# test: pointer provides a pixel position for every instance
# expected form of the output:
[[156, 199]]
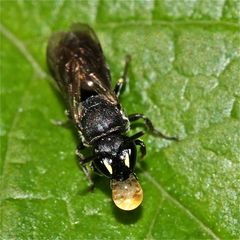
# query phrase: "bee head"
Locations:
[[116, 160], [116, 157]]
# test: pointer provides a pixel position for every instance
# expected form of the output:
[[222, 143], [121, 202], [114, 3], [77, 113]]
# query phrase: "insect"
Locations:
[[76, 62]]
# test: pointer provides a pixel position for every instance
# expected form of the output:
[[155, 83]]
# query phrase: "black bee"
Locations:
[[76, 62]]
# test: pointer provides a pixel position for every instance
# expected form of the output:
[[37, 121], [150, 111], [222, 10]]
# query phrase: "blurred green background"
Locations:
[[184, 75]]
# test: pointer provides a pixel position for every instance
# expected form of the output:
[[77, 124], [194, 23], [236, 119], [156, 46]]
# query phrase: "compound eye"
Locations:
[[128, 194], [103, 166]]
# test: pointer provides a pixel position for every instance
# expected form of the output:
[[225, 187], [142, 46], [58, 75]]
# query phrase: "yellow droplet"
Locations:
[[128, 194]]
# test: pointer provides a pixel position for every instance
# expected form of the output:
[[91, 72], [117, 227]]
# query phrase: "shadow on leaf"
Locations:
[[127, 217]]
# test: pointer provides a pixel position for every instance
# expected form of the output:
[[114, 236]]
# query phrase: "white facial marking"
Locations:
[[107, 165], [127, 160]]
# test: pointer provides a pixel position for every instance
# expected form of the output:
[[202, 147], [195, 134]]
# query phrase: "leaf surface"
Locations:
[[184, 75]]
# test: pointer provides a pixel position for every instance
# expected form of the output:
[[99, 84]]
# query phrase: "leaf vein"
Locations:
[[23, 50], [179, 205], [149, 233], [14, 121]]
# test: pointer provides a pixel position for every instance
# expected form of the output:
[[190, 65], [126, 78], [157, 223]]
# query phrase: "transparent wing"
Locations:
[[77, 64]]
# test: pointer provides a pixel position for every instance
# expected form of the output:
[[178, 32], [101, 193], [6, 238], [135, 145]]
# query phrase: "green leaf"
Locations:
[[184, 75]]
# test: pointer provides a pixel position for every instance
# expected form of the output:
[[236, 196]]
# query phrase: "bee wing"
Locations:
[[77, 63]]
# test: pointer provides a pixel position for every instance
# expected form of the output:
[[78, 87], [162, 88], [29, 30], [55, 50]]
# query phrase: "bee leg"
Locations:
[[95, 170], [123, 79], [82, 162], [149, 125], [142, 147], [63, 123]]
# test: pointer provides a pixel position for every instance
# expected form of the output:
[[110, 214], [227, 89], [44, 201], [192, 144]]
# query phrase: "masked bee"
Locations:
[[77, 64]]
